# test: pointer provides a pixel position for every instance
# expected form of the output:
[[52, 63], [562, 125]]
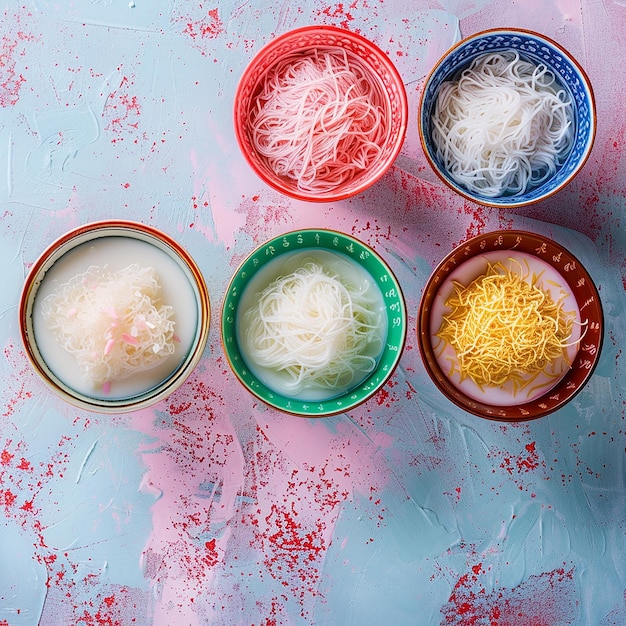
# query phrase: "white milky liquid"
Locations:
[[348, 271], [115, 253]]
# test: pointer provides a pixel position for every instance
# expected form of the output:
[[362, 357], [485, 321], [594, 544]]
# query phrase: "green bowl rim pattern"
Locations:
[[365, 256]]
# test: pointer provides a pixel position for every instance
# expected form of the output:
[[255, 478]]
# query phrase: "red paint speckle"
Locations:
[[291, 548], [339, 12], [7, 497], [202, 26], [541, 600], [524, 463], [122, 113], [211, 26], [212, 556], [12, 49], [6, 457], [264, 213]]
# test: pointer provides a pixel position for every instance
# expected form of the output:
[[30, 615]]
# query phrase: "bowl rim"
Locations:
[[368, 387], [592, 107], [331, 196], [61, 246], [551, 400]]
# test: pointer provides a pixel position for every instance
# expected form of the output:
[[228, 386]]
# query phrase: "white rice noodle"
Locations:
[[314, 330], [504, 126], [114, 323]]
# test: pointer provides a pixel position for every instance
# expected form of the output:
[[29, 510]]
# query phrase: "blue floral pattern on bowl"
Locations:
[[536, 48]]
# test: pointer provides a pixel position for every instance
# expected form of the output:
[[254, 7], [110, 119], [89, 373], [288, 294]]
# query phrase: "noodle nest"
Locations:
[[505, 329], [315, 329], [503, 126], [320, 119], [114, 323]]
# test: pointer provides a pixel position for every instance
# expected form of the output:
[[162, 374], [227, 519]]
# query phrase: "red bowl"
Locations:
[[561, 270], [308, 40]]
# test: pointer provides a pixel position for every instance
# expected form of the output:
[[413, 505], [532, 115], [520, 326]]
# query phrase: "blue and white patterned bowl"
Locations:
[[538, 49]]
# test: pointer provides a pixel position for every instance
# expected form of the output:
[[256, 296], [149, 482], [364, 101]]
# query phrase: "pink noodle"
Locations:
[[320, 119]]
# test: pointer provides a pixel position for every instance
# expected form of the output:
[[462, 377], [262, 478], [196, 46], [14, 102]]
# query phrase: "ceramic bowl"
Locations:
[[307, 42], [266, 263], [539, 50], [558, 273], [111, 247]]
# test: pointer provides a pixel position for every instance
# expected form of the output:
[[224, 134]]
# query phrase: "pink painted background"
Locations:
[[210, 508]]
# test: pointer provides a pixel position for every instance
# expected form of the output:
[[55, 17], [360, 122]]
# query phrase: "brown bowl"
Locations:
[[558, 269]]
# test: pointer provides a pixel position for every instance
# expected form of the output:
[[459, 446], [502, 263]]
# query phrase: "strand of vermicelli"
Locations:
[[504, 328], [319, 119]]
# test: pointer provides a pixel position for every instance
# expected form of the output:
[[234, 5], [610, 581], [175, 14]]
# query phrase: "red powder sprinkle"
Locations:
[[122, 112], [542, 600], [11, 79], [210, 27], [5, 457], [524, 463], [479, 219], [263, 214], [7, 497], [338, 12]]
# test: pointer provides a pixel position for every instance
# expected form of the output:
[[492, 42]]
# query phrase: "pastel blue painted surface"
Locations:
[[210, 508]]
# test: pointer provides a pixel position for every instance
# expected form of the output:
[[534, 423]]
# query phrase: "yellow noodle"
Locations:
[[504, 328]]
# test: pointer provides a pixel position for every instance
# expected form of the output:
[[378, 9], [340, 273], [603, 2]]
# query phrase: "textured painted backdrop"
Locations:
[[210, 508]]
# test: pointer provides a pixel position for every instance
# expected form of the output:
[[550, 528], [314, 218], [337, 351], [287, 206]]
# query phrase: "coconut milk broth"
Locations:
[[116, 253], [550, 281], [285, 264]]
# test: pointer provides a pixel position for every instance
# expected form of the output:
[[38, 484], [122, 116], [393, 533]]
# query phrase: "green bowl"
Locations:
[[394, 306]]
